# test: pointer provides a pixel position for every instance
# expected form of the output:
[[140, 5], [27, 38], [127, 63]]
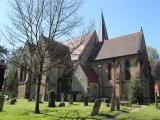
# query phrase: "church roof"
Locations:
[[56, 49], [78, 44], [90, 73], [120, 46], [31, 47]]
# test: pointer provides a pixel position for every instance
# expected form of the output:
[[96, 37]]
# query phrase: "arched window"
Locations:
[[109, 71], [127, 70]]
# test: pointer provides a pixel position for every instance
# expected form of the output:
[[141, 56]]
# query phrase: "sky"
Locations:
[[121, 17]]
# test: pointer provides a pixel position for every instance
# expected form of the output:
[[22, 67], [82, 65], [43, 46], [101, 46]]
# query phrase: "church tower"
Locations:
[[102, 30]]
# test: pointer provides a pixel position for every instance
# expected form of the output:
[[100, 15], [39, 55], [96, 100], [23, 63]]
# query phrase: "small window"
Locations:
[[127, 70], [109, 71]]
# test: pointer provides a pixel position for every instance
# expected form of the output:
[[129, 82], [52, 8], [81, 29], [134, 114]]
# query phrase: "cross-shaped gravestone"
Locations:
[[62, 104]]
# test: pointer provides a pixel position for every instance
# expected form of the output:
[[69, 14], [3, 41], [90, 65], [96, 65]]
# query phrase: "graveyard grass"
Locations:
[[147, 112], [23, 110]]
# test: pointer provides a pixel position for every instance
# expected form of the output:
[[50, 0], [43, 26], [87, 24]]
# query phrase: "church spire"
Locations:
[[102, 30]]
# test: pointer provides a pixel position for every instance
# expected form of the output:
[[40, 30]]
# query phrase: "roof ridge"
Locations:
[[123, 35]]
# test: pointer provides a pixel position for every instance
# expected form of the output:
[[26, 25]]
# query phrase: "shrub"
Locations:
[[135, 92]]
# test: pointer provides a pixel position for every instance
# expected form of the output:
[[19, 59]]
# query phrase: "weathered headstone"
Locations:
[[2, 72], [86, 100], [96, 107], [62, 104], [107, 101], [71, 99], [12, 99], [51, 99], [1, 101]]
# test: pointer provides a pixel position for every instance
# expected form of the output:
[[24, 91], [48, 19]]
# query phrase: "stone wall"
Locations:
[[79, 81], [93, 91], [101, 67]]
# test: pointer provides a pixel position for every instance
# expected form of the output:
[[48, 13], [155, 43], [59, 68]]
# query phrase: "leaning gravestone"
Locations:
[[51, 99], [96, 107], [62, 104]]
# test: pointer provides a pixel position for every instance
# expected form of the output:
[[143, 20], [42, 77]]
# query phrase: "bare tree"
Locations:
[[56, 19]]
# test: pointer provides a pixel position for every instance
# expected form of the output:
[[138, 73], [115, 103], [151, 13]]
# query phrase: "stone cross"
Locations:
[[62, 104]]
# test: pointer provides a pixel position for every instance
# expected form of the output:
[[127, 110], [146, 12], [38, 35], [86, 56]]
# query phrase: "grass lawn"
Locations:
[[23, 110], [148, 112]]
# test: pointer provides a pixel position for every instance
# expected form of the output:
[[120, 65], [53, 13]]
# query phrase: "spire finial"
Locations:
[[102, 29], [42, 34], [141, 29]]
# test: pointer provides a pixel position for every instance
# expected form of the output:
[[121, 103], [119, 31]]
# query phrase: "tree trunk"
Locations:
[[113, 102], [117, 103], [113, 94], [156, 100], [37, 111]]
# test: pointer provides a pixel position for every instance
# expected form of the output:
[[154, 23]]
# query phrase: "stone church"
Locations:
[[54, 78], [99, 63]]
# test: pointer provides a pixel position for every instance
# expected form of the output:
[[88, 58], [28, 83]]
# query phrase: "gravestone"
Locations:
[[96, 107], [2, 98], [86, 100], [2, 71], [12, 99], [71, 99], [107, 101], [62, 104], [51, 99]]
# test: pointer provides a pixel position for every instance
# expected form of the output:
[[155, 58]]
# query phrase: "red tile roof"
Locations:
[[90, 73], [78, 44], [120, 46]]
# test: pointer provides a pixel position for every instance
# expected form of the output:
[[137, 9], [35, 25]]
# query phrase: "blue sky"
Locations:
[[127, 16], [121, 16]]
